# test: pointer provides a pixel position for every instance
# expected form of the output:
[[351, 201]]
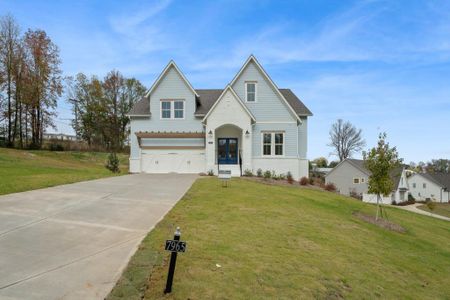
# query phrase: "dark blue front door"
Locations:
[[227, 151]]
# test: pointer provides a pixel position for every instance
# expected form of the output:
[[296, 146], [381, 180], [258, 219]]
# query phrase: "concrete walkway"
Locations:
[[413, 208], [73, 241]]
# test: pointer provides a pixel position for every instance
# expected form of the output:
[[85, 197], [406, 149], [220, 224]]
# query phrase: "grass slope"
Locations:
[[277, 242], [442, 209], [22, 170]]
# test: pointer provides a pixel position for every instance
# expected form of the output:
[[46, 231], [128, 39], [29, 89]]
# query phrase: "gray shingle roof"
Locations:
[[442, 179], [207, 97], [141, 108]]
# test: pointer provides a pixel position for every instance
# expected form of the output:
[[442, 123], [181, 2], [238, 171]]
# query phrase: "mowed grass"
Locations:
[[442, 209], [274, 242], [22, 170]]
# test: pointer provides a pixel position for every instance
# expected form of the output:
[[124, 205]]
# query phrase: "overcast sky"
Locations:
[[383, 65]]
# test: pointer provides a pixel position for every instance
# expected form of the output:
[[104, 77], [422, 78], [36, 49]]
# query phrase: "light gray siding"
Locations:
[[268, 106], [303, 138], [172, 86], [290, 137], [342, 177]]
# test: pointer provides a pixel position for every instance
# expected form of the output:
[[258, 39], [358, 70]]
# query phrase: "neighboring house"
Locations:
[[351, 176], [59, 136], [436, 187], [251, 124]]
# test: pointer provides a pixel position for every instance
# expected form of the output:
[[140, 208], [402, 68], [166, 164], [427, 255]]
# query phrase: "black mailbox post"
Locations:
[[173, 246]]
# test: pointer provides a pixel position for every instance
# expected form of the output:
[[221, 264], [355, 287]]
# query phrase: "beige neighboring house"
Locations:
[[351, 176], [427, 186]]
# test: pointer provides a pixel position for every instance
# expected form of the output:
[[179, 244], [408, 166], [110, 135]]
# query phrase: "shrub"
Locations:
[[259, 173], [210, 172], [355, 194], [55, 147], [274, 176], [304, 181], [248, 173], [267, 174], [113, 163], [311, 180], [289, 177], [330, 187], [282, 177], [431, 205], [411, 198]]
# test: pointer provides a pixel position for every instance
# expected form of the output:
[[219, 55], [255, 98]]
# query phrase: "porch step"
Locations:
[[235, 169]]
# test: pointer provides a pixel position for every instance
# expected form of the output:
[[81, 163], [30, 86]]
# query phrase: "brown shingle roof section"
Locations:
[[207, 97], [295, 103], [206, 100], [141, 108]]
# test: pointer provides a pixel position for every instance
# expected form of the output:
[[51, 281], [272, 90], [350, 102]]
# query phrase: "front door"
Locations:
[[227, 151]]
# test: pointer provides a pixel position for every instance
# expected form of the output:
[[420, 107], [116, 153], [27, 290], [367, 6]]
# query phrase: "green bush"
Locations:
[[55, 147], [248, 173], [113, 163], [289, 177], [274, 175], [267, 174], [282, 177], [210, 172], [259, 173]]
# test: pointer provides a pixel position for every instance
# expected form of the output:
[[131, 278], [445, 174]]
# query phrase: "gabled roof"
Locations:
[[441, 179], [163, 73], [207, 98], [229, 88], [253, 59]]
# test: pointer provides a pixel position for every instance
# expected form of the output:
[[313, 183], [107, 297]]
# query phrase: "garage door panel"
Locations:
[[173, 161]]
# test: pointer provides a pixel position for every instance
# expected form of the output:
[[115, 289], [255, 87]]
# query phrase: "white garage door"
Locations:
[[178, 161]]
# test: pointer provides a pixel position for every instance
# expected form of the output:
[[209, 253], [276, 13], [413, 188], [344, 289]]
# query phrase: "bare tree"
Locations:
[[345, 139]]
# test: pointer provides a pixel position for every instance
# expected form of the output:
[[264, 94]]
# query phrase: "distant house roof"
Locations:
[[395, 174], [207, 97], [441, 179]]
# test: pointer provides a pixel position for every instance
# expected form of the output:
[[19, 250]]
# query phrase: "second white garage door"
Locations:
[[177, 161]]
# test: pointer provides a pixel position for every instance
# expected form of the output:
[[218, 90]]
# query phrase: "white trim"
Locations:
[[272, 143], [274, 86], [172, 109], [163, 73], [228, 87], [256, 91], [357, 178], [128, 115], [275, 122]]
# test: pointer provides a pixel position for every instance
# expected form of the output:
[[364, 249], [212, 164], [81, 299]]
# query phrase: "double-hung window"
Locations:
[[250, 91], [273, 143], [172, 109]]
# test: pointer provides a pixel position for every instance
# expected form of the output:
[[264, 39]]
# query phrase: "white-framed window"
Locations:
[[355, 180], [273, 143], [424, 185], [172, 109], [414, 185], [363, 180], [250, 91]]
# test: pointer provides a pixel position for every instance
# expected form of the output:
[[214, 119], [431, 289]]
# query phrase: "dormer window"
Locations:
[[172, 109], [250, 91]]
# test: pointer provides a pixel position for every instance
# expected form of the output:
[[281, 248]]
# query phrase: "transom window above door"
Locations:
[[273, 143], [250, 91], [172, 109]]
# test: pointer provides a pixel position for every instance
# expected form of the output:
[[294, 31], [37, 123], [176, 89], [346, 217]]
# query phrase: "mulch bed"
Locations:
[[383, 223], [281, 182]]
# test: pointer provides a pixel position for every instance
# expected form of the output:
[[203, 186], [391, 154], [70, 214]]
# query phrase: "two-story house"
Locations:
[[251, 124]]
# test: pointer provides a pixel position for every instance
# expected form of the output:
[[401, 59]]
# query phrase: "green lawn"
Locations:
[[22, 170], [442, 209], [276, 242]]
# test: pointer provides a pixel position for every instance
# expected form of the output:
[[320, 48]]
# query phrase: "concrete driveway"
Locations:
[[73, 241]]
